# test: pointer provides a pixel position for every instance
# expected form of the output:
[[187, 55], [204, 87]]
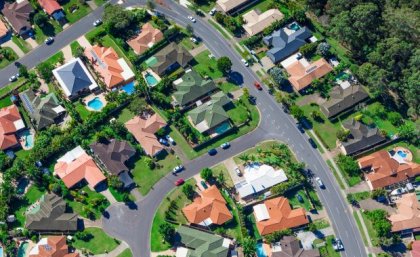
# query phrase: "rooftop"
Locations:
[[227, 5], [256, 22], [10, 123], [167, 57], [302, 74], [3, 29], [408, 213], [50, 6], [146, 38], [18, 14], [289, 246], [52, 246]]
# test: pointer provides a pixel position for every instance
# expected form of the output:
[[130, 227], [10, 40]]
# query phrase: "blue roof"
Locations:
[[58, 15]]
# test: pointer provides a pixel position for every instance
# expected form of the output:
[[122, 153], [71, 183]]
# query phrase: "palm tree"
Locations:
[[244, 158], [249, 246]]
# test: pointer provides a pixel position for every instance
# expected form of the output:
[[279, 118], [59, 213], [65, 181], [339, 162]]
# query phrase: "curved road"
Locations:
[[134, 225]]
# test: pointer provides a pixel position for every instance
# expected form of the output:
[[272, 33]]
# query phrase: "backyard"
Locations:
[[88, 202], [19, 207], [100, 242], [75, 10]]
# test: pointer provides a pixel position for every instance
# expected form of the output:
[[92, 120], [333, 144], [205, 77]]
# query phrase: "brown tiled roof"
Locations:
[[147, 38], [256, 22], [415, 252], [144, 131], [210, 204], [408, 213], [301, 76], [281, 216], [50, 6], [290, 247], [385, 170], [53, 246], [8, 116], [114, 154], [18, 14]]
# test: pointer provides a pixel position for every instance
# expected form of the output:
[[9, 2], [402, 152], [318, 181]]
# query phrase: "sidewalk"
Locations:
[[115, 253]]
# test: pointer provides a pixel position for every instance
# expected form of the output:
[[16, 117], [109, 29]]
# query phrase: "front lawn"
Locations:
[[56, 58], [79, 10], [87, 203], [22, 44], [5, 102], [12, 56], [50, 29], [239, 114], [207, 66], [228, 87], [19, 207], [294, 201], [221, 168], [328, 250], [252, 151], [170, 208], [74, 45], [126, 253], [371, 231], [100, 243]]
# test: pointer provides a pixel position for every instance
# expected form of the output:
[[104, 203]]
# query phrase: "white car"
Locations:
[[49, 40], [13, 78], [320, 183], [238, 172], [337, 244], [191, 19], [245, 62], [194, 40], [177, 169], [170, 139], [97, 22], [212, 11]]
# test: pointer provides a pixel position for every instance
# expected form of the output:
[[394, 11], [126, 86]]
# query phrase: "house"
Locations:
[[10, 123], [54, 10], [211, 115], [4, 30], [18, 15], [258, 179], [52, 246], [207, 209], [113, 70], [148, 37], [169, 58], [276, 214], [362, 137], [77, 166], [388, 168], [51, 215], [232, 6], [144, 129], [74, 78], [289, 246], [113, 155], [415, 248], [284, 44], [43, 110], [343, 99], [256, 22], [407, 217], [302, 73], [191, 87], [200, 243]]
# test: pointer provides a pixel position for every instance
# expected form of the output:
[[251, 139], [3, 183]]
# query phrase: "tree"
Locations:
[[167, 231], [224, 64], [115, 182], [277, 74], [299, 16], [23, 71], [249, 246], [189, 191], [395, 118], [343, 134], [138, 105], [316, 115], [308, 50], [83, 235], [79, 52], [206, 174], [378, 192], [348, 165], [324, 49], [246, 93], [45, 71], [118, 21], [40, 19], [297, 112], [190, 29], [408, 131]]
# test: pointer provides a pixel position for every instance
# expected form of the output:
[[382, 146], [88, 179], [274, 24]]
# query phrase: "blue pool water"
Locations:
[[1, 251], [401, 154], [260, 251], [95, 104], [21, 186], [129, 88], [29, 138], [222, 128], [151, 81], [22, 249], [294, 26]]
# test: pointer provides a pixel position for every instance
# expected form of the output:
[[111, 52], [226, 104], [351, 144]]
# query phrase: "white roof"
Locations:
[[59, 109], [127, 73], [72, 155], [19, 124], [206, 222], [181, 252], [226, 242], [261, 212]]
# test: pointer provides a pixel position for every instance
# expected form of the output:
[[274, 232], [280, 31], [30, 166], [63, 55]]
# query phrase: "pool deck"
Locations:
[[22, 139], [409, 157], [92, 96], [150, 71]]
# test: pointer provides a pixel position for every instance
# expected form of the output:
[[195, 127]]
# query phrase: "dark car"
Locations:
[[204, 184], [49, 40], [299, 197], [312, 142], [212, 152], [257, 85], [300, 127]]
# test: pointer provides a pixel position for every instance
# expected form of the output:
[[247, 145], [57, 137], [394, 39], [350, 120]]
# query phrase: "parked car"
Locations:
[[300, 127], [179, 182], [163, 142], [238, 172], [49, 40], [225, 145], [212, 152], [191, 19], [300, 198], [13, 78], [194, 40], [177, 169], [204, 184], [257, 85], [170, 139], [212, 11], [97, 22], [245, 62], [312, 142], [320, 183], [337, 244]]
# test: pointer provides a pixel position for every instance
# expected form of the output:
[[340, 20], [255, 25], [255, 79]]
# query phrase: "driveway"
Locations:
[[307, 238], [14, 47]]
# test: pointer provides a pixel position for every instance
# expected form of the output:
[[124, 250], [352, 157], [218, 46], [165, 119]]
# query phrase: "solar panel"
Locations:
[[28, 103]]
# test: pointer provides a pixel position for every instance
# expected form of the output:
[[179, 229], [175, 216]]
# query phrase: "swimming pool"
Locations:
[[222, 128], [294, 26], [22, 249], [21, 186], [260, 250], [402, 154], [129, 88], [95, 104], [150, 79], [28, 138], [1, 251]]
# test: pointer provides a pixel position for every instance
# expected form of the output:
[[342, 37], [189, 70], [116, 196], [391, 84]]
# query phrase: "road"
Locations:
[[134, 225]]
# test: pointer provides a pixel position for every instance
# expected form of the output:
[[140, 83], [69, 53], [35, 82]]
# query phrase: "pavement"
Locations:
[[132, 224], [14, 47], [307, 237]]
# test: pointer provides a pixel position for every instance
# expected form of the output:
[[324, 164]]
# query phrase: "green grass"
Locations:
[[337, 178], [371, 231], [294, 202], [126, 253], [359, 225], [25, 47], [118, 195], [146, 177], [263, 146], [321, 224], [238, 115], [175, 214], [207, 66], [231, 228], [82, 11], [50, 29], [94, 33], [19, 207], [5, 102], [351, 180], [251, 225], [81, 109], [228, 87], [417, 236], [90, 195], [218, 28], [55, 58], [5, 62], [206, 6], [328, 250], [74, 45], [263, 6], [187, 44], [125, 115], [99, 3], [100, 243], [221, 168]]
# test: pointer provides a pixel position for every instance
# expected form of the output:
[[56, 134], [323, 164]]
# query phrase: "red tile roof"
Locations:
[[50, 6], [8, 116], [147, 37], [209, 205], [408, 213], [3, 29], [56, 246], [415, 252], [301, 76]]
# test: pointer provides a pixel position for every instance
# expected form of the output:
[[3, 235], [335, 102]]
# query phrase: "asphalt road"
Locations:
[[134, 225]]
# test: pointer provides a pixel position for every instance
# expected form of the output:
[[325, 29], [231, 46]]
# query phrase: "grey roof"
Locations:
[[343, 99], [362, 137], [51, 215], [18, 15], [126, 179], [283, 45], [41, 109], [114, 154], [290, 247], [170, 55], [202, 244]]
